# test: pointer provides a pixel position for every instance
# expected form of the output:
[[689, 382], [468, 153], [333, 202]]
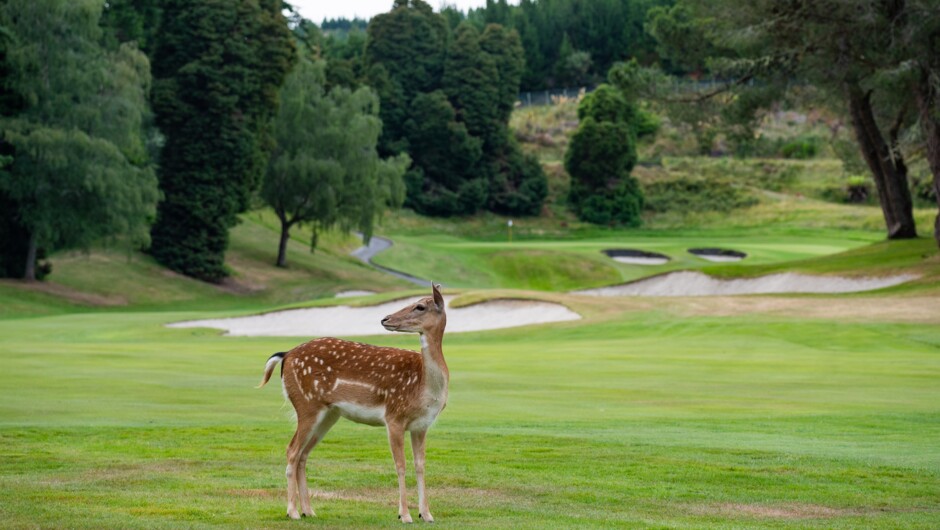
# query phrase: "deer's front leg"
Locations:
[[396, 440], [417, 446]]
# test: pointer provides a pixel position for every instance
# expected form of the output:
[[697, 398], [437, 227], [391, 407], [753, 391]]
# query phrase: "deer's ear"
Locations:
[[438, 299]]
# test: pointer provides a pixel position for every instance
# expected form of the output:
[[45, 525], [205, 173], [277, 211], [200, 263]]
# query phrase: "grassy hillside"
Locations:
[[111, 280]]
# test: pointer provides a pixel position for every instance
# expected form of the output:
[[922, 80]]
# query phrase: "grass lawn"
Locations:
[[643, 414], [561, 265]]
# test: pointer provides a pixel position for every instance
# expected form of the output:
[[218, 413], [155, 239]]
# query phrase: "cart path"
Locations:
[[378, 244]]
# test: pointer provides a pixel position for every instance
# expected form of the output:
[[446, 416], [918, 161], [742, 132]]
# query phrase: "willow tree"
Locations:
[[80, 169], [325, 171]]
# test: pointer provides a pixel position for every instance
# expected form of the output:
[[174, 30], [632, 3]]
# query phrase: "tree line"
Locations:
[[565, 43], [155, 124]]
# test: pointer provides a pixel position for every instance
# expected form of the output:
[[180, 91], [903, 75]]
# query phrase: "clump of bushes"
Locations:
[[770, 175], [922, 190], [801, 148], [696, 194], [600, 157], [856, 189]]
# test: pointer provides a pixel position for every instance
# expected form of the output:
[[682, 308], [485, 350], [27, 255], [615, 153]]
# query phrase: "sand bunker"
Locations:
[[345, 320], [718, 254], [688, 283], [636, 257]]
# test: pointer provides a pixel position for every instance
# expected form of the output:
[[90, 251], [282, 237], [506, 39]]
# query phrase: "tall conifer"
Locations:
[[217, 68]]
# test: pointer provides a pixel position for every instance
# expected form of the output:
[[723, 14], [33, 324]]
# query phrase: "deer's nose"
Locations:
[[384, 320]]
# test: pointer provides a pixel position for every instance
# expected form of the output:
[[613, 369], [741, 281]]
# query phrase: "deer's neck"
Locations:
[[436, 374]]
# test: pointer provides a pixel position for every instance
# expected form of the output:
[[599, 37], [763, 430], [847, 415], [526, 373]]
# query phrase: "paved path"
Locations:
[[377, 244]]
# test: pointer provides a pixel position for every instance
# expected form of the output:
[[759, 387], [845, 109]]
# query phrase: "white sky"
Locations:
[[317, 10]]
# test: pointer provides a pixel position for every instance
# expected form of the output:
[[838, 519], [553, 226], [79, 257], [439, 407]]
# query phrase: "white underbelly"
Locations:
[[361, 414]]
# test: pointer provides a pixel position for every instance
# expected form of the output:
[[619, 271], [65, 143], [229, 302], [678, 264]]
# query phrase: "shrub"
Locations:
[[802, 148], [923, 191], [525, 195], [856, 189], [692, 194], [622, 206], [600, 157]]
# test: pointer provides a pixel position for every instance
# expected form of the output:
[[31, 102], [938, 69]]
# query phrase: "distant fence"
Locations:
[[556, 95], [550, 97]]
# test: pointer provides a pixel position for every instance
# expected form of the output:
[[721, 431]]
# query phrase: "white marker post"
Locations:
[[509, 224]]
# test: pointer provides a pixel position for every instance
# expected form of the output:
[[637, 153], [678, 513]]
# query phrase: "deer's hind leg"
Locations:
[[325, 421], [306, 427]]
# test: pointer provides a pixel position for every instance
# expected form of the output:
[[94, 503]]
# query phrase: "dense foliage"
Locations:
[[446, 100], [686, 194], [600, 158], [217, 68], [573, 42], [566, 43], [324, 170], [77, 168]]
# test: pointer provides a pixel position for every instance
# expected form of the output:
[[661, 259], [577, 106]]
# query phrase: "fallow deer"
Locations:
[[326, 379]]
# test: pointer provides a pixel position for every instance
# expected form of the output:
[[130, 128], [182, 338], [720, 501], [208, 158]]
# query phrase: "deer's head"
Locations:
[[424, 316]]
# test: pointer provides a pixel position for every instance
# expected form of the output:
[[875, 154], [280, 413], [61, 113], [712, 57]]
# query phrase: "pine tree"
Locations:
[[471, 82], [217, 68], [518, 185], [405, 57], [445, 177]]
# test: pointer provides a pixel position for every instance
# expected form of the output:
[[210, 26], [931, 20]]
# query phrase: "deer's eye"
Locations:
[[420, 308]]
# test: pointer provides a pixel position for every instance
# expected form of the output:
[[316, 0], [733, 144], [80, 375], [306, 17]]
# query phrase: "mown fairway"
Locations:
[[558, 265], [645, 414]]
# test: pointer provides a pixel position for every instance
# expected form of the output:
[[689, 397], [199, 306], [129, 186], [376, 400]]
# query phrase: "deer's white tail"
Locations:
[[273, 361]]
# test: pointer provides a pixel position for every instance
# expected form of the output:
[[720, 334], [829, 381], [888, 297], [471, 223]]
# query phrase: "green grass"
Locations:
[[112, 280], [531, 262], [630, 418], [644, 414], [912, 256]]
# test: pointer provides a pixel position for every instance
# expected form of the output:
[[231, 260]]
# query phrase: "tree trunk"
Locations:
[[887, 167], [29, 273], [929, 109], [282, 247]]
